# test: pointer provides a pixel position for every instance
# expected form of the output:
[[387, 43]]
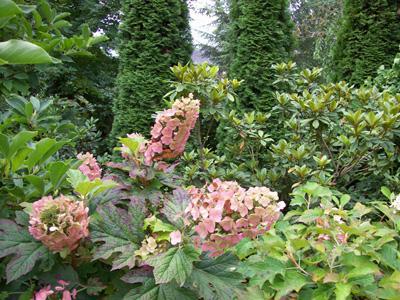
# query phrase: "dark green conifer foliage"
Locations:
[[261, 35], [369, 37], [154, 35]]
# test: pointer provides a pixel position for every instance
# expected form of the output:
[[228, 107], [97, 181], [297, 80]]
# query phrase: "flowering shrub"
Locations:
[[89, 166], [59, 223], [172, 129], [225, 213]]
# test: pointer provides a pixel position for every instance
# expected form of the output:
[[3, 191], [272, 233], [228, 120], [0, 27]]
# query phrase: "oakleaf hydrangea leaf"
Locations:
[[120, 232], [176, 263], [216, 278], [15, 240], [174, 208], [150, 291]]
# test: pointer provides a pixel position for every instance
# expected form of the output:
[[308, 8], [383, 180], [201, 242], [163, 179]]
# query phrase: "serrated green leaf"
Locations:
[[292, 281], [176, 263], [310, 215], [343, 290], [174, 208], [260, 270], [17, 241], [151, 291], [216, 278], [119, 232]]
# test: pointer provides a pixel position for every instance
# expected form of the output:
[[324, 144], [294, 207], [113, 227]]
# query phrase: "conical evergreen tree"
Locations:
[[261, 35], [154, 35], [369, 37]]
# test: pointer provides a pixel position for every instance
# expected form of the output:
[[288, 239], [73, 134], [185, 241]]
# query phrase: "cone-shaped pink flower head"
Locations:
[[224, 213], [59, 223], [172, 130], [89, 166]]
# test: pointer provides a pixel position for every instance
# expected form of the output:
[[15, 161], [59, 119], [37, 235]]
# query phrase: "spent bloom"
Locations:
[[59, 223], [89, 166], [225, 213], [172, 129]]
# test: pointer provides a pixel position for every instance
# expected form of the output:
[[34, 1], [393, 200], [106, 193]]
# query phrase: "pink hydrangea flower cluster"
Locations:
[[172, 129], [225, 213], [89, 166], [59, 223], [47, 291]]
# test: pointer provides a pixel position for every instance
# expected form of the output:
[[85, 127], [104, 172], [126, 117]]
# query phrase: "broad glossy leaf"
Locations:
[[8, 8], [44, 149], [20, 141], [175, 264], [57, 173], [22, 52], [120, 233]]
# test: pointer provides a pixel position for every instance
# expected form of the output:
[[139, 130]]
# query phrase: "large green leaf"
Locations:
[[20, 141], [57, 173], [260, 270], [174, 208], [44, 149], [292, 281], [152, 291], [8, 8], [22, 52], [176, 263], [343, 290], [216, 278], [17, 241], [120, 233]]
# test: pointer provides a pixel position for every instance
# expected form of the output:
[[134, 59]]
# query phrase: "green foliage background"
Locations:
[[261, 35], [153, 37], [368, 38]]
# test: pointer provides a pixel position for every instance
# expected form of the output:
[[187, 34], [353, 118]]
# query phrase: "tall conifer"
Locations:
[[369, 37], [154, 35]]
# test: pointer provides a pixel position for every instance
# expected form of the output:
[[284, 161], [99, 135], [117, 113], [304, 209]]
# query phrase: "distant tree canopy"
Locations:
[[369, 37], [261, 34], [154, 35]]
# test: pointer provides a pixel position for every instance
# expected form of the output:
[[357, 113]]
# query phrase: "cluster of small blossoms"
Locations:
[[172, 129], [225, 213], [89, 166], [396, 204], [59, 223], [47, 291]]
